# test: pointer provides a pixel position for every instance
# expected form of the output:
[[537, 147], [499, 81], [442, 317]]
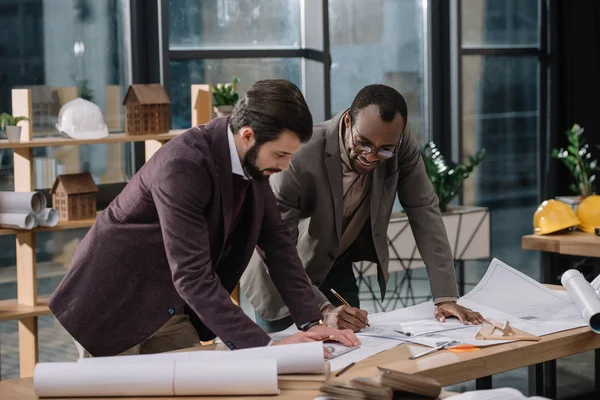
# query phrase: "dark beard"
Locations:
[[250, 165]]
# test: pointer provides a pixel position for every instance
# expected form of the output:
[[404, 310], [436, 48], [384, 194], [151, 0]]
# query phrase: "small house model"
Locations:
[[147, 109], [74, 196]]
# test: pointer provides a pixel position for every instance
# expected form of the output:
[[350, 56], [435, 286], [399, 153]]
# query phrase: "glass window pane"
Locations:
[[234, 23], [500, 22], [501, 114], [62, 50], [382, 43], [249, 70]]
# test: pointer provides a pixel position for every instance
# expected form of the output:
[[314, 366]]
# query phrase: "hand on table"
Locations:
[[345, 317], [303, 337], [320, 332], [452, 309]]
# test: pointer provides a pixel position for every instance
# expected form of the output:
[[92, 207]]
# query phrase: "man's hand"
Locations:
[[303, 337], [344, 336], [345, 317], [452, 309]]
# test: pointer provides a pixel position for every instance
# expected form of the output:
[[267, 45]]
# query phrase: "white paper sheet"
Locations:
[[496, 394], [584, 296], [502, 294], [596, 283], [369, 347], [172, 378], [22, 202], [48, 217], [18, 221], [301, 358]]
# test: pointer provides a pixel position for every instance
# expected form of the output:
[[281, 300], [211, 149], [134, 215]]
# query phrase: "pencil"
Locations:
[[346, 368], [344, 301]]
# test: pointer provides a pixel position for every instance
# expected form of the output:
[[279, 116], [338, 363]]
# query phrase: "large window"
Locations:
[[212, 41], [234, 23], [503, 99], [381, 43]]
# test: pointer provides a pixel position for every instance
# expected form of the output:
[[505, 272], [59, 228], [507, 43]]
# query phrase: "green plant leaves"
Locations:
[[579, 160], [445, 179], [226, 95], [9, 120]]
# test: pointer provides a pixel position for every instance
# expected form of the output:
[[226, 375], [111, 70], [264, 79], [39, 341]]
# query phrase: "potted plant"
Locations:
[[225, 96], [582, 166], [8, 122], [467, 227], [447, 180]]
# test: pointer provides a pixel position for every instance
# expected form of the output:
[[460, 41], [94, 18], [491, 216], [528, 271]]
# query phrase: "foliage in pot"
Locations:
[[9, 120], [578, 158], [226, 95], [447, 179]]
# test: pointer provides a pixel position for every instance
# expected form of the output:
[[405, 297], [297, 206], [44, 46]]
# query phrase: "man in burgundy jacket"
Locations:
[[156, 270]]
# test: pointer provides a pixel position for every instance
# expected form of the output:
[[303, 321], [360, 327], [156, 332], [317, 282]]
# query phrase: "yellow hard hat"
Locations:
[[588, 213], [553, 216]]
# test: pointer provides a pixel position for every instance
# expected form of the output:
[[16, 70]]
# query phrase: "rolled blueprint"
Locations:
[[18, 221], [255, 377], [48, 217], [584, 296], [301, 358], [22, 202]]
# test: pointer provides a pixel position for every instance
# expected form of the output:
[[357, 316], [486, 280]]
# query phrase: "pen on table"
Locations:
[[344, 301], [433, 350], [403, 333], [346, 368]]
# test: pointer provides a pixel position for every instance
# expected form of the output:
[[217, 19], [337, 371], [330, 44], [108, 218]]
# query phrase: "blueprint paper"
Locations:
[[235, 377], [502, 294], [300, 358]]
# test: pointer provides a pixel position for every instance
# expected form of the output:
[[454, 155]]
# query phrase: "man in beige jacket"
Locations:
[[336, 199]]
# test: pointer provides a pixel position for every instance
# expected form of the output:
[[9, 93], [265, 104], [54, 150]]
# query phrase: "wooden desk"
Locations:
[[448, 368], [574, 243]]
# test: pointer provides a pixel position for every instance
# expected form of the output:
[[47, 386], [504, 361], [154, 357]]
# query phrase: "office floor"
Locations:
[[575, 374]]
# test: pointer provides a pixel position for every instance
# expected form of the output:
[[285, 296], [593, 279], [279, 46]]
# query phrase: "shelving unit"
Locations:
[[27, 306]]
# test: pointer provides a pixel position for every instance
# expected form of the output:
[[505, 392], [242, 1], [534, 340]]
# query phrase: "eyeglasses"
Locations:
[[382, 154]]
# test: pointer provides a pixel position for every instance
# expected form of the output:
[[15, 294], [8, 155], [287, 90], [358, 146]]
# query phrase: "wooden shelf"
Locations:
[[111, 138], [10, 310], [61, 226]]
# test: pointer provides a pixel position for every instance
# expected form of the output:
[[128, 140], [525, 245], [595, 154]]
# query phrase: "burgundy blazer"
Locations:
[[160, 247]]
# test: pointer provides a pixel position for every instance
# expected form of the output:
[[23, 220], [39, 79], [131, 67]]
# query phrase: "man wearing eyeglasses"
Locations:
[[336, 199]]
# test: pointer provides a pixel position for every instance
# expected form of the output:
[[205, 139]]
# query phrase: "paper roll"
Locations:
[[18, 221], [22, 202], [48, 217], [584, 296], [301, 358], [255, 377]]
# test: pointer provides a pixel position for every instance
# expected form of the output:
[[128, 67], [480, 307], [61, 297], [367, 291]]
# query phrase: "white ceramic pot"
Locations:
[[223, 111], [13, 133]]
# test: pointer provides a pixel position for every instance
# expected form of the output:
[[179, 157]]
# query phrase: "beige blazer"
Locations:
[[309, 197]]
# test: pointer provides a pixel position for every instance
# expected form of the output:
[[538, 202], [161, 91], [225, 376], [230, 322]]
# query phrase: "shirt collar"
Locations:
[[236, 164]]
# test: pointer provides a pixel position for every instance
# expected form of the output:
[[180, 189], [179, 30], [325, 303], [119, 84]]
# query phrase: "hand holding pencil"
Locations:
[[345, 316]]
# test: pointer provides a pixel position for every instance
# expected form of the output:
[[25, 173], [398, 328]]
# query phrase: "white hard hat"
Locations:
[[81, 119]]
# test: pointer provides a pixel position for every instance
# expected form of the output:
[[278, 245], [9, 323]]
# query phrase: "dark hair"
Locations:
[[271, 106], [387, 99]]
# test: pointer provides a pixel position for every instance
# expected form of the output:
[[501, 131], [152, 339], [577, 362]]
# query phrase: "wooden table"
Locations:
[[448, 368], [574, 243]]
